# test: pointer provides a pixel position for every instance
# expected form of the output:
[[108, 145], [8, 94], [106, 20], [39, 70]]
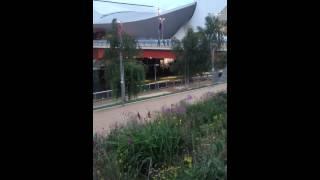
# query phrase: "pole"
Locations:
[[121, 68], [162, 30], [155, 72]]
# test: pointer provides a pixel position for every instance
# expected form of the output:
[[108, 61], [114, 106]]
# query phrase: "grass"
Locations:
[[186, 142]]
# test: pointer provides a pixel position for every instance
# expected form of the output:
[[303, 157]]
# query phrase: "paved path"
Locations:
[[104, 119]]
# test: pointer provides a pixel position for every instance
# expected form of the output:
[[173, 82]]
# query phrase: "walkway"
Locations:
[[104, 119]]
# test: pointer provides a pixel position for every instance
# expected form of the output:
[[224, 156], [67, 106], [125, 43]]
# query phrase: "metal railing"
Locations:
[[104, 95], [152, 43], [149, 43], [101, 44]]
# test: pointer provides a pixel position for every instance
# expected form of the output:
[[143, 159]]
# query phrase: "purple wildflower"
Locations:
[[189, 97], [181, 110]]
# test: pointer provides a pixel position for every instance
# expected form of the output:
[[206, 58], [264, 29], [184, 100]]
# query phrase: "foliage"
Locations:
[[221, 60], [134, 72], [213, 33], [183, 142], [104, 163], [134, 78], [192, 55]]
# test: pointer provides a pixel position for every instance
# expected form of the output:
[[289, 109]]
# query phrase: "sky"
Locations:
[[167, 4]]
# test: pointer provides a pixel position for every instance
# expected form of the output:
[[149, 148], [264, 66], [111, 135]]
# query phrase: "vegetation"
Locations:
[[220, 60], [185, 142], [192, 55], [213, 32], [134, 71]]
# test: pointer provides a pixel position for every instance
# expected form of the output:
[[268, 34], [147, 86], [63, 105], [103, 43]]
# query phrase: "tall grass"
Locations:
[[184, 142]]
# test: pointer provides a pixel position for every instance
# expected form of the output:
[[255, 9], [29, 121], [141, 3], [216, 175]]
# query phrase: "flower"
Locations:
[[189, 97], [180, 110]]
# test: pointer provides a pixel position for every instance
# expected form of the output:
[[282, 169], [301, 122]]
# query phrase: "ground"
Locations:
[[104, 119]]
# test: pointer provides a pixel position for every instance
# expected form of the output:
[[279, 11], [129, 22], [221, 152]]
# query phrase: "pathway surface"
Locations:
[[104, 119]]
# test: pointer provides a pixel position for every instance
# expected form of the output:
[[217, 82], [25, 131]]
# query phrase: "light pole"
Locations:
[[162, 27], [155, 72], [121, 64]]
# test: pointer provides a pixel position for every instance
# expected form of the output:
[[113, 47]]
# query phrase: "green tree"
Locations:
[[134, 73], [192, 55], [221, 60], [213, 33], [134, 78]]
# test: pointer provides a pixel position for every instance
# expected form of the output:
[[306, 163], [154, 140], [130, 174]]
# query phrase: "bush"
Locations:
[[141, 148], [183, 142], [104, 161], [210, 155]]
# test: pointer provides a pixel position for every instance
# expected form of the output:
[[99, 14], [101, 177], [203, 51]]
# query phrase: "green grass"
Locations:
[[186, 143]]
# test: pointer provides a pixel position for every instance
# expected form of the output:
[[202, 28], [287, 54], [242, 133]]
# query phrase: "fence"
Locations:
[[148, 43], [103, 95], [142, 43]]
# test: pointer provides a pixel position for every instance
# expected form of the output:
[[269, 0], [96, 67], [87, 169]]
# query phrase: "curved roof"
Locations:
[[144, 25], [124, 16], [103, 8]]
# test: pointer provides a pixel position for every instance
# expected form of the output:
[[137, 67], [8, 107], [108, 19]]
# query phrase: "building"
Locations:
[[142, 23]]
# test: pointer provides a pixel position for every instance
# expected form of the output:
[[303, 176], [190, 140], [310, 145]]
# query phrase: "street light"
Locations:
[[161, 21], [161, 28], [155, 72], [121, 64]]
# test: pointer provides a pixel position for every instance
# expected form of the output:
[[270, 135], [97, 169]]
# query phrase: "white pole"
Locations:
[[121, 66]]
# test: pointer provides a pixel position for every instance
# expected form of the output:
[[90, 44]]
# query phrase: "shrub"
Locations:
[[141, 148], [104, 161], [183, 142]]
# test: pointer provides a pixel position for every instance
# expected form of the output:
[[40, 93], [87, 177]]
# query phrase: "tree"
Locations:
[[213, 33], [133, 71], [134, 78], [192, 55], [220, 60]]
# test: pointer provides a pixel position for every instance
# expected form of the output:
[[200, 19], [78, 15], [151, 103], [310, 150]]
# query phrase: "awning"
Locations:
[[158, 54], [98, 53]]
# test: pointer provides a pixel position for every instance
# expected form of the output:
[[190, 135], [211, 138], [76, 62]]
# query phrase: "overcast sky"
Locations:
[[168, 4]]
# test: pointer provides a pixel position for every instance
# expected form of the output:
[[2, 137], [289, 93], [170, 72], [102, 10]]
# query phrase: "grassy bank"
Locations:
[[183, 142]]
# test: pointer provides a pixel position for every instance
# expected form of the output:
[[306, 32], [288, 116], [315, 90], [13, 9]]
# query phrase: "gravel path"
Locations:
[[104, 119]]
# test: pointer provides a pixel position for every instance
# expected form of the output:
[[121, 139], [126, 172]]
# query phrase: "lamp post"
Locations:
[[161, 25], [121, 63], [155, 72]]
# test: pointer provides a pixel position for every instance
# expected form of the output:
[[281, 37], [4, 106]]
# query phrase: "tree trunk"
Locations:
[[212, 59]]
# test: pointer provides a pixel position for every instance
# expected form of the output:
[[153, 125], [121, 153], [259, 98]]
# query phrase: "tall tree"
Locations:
[[213, 33], [133, 70], [192, 55]]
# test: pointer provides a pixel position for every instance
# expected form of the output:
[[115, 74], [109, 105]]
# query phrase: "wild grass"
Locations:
[[183, 142]]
